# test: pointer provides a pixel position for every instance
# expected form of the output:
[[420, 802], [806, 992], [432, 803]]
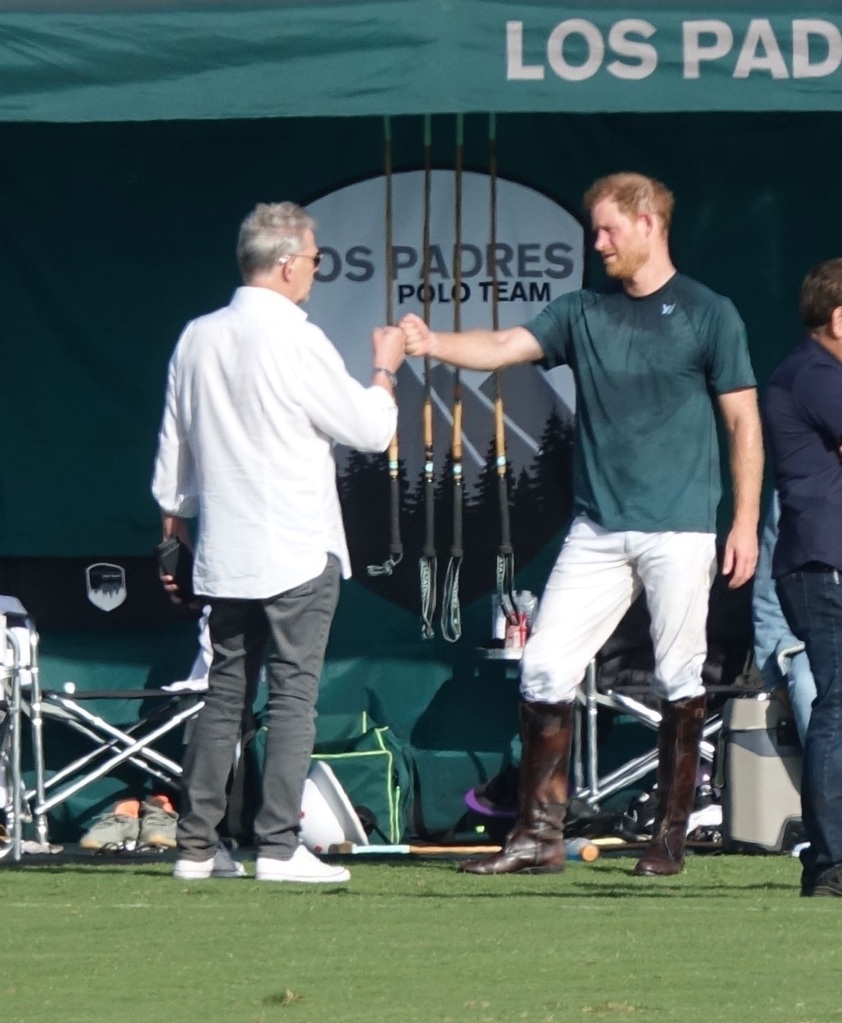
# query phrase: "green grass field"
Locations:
[[411, 939]]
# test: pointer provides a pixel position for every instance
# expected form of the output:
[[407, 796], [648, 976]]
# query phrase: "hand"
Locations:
[[740, 558], [418, 335], [171, 588], [388, 344], [178, 527]]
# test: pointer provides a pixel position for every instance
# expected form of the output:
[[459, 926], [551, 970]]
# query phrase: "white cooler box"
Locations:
[[761, 776]]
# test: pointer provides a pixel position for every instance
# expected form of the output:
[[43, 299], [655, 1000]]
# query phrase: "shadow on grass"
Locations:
[[605, 893], [610, 880]]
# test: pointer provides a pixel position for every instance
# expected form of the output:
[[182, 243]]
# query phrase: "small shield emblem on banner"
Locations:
[[106, 585]]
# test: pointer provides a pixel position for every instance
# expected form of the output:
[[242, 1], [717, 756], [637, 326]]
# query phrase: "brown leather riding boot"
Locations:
[[536, 844], [678, 762]]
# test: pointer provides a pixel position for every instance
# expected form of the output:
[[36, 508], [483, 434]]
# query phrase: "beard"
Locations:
[[626, 264]]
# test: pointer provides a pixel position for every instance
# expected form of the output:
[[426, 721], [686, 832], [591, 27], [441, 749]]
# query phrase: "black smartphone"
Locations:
[[176, 559]]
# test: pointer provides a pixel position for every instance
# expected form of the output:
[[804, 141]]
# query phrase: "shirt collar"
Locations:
[[249, 296]]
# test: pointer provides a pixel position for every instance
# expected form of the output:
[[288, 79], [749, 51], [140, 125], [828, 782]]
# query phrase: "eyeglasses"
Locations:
[[317, 259]]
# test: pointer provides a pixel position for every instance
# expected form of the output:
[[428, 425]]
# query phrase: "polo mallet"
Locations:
[[451, 615], [505, 554], [427, 565], [395, 545]]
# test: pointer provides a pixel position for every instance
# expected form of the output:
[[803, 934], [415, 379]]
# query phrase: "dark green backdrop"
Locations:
[[113, 235]]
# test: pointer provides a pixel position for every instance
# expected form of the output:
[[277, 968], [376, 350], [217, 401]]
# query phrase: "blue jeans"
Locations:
[[291, 632], [811, 599], [778, 654]]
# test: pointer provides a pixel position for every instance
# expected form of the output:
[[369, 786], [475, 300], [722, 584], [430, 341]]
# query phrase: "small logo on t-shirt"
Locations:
[[667, 310]]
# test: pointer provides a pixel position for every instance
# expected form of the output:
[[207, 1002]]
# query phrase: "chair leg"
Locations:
[[678, 762]]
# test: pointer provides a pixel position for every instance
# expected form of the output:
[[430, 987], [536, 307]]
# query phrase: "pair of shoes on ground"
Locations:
[[302, 868], [829, 883], [132, 824]]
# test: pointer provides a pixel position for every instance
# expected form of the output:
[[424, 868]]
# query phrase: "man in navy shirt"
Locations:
[[654, 358], [803, 417]]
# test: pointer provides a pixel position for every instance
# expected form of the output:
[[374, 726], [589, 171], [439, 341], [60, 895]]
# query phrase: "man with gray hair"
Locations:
[[648, 357], [256, 396]]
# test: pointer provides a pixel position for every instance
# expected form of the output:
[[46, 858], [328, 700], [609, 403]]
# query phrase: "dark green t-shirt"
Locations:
[[647, 371]]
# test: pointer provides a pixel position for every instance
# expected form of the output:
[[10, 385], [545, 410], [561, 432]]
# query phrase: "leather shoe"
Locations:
[[830, 883]]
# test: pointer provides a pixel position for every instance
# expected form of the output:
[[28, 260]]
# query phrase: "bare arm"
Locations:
[[745, 440], [471, 349], [173, 525]]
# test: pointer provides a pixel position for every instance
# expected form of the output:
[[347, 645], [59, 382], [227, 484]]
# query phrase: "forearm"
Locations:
[[745, 447], [746, 457], [174, 525], [484, 349]]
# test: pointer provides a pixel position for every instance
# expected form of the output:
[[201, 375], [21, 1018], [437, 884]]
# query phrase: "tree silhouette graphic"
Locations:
[[540, 502]]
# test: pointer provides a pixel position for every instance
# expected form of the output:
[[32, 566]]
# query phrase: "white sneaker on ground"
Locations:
[[221, 864], [303, 867]]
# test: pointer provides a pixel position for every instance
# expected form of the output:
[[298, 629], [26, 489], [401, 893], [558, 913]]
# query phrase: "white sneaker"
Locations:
[[303, 867], [221, 864]]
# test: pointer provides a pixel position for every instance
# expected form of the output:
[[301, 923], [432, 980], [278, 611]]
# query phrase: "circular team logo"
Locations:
[[536, 255]]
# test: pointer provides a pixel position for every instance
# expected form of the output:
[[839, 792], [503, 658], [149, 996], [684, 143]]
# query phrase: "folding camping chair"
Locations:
[[19, 666], [113, 745], [588, 785]]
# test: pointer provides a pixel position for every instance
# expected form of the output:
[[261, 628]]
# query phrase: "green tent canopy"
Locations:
[[200, 59]]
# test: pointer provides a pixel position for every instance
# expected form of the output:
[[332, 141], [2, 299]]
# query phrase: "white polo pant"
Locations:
[[595, 580]]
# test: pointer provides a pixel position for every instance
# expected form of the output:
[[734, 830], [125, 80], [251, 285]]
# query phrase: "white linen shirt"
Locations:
[[256, 395]]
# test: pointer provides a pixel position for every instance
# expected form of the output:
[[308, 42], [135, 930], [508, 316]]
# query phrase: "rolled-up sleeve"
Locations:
[[364, 418]]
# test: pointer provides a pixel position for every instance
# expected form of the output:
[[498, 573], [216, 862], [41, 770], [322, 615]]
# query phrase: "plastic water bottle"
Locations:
[[581, 849]]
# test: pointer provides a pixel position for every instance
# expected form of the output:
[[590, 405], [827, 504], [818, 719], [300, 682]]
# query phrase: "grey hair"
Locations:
[[270, 232]]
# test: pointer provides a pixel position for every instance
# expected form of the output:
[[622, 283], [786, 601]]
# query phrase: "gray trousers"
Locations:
[[290, 633]]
